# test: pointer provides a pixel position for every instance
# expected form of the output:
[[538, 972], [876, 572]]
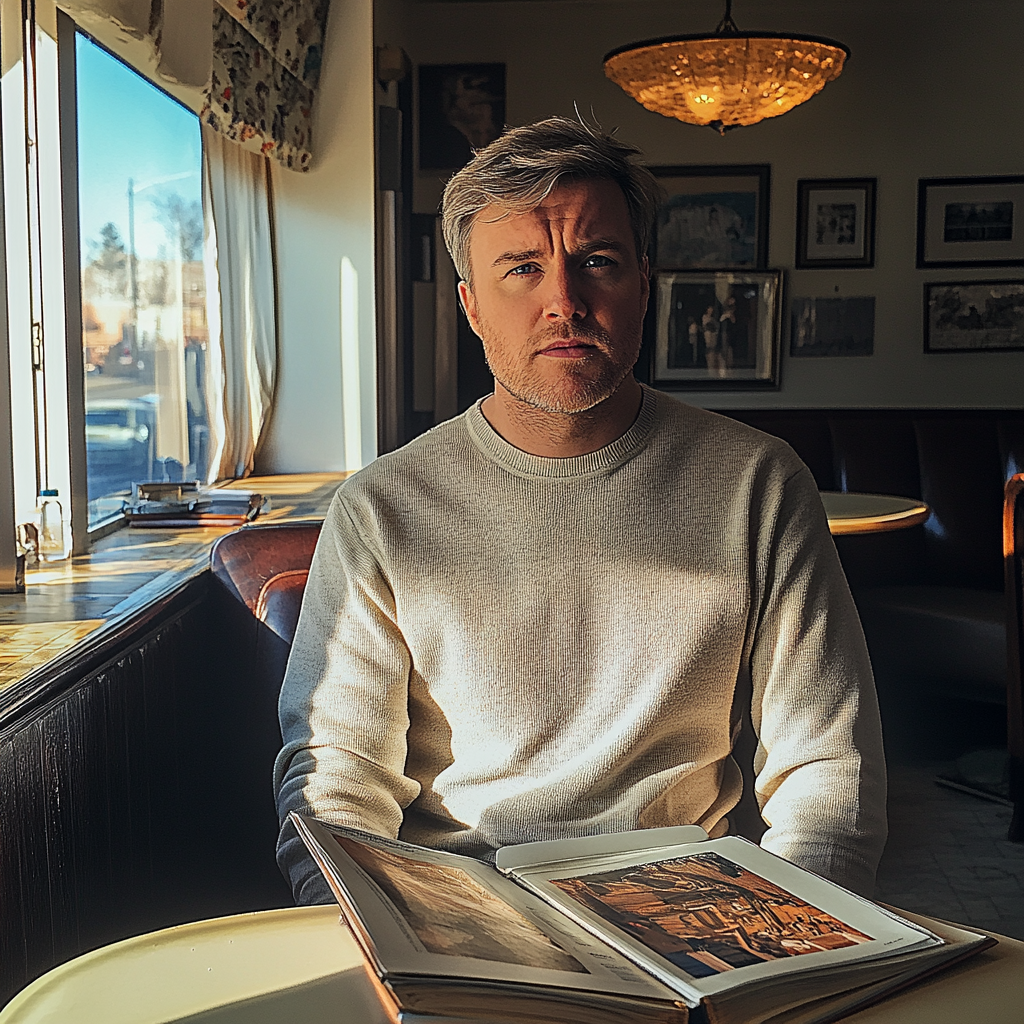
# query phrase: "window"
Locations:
[[144, 326]]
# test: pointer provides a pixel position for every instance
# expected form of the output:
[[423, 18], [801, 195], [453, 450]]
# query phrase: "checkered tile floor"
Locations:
[[947, 853]]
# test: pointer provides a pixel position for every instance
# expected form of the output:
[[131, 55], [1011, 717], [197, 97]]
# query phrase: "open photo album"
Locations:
[[659, 925]]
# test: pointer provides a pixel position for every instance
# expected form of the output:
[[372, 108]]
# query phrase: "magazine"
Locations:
[[658, 925]]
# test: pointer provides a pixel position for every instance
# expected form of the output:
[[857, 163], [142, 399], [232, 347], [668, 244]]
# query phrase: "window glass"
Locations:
[[144, 328]]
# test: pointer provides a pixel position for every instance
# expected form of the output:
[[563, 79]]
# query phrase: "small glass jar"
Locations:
[[53, 534]]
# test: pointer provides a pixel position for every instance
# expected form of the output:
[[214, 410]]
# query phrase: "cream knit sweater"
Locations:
[[496, 647]]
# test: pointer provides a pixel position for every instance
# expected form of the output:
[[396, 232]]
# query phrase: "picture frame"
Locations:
[[970, 222], [461, 108], [831, 326], [835, 222], [717, 330], [714, 217], [974, 316]]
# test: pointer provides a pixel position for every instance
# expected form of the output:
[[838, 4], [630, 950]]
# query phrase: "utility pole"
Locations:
[[133, 278]]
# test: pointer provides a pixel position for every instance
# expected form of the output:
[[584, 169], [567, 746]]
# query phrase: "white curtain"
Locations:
[[239, 260]]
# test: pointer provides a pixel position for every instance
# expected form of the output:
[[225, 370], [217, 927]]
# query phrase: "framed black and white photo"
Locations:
[[970, 222], [461, 108], [714, 218], [835, 222], [833, 326], [974, 316], [717, 330]]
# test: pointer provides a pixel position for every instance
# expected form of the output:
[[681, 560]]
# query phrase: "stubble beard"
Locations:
[[576, 388]]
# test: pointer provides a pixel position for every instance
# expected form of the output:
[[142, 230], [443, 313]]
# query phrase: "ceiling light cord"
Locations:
[[727, 27]]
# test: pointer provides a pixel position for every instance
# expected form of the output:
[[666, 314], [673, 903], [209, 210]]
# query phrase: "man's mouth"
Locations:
[[569, 348]]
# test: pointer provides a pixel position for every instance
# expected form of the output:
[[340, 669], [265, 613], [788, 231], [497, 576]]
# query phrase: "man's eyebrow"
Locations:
[[598, 244], [517, 257]]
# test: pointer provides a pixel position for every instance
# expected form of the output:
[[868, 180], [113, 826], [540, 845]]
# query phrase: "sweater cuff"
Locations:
[[845, 867], [308, 885]]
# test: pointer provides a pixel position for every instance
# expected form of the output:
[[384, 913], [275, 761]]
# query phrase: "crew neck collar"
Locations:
[[492, 444]]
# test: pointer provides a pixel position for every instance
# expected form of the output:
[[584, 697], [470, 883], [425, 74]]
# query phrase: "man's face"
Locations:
[[558, 296]]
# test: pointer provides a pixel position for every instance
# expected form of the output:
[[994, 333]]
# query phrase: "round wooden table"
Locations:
[[871, 513]]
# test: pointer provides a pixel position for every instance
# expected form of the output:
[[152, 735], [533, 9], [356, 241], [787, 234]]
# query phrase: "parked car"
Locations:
[[120, 443]]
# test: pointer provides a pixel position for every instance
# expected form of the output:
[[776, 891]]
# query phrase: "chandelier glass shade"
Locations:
[[728, 79]]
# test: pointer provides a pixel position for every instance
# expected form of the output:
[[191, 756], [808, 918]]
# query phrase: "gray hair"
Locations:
[[521, 168]]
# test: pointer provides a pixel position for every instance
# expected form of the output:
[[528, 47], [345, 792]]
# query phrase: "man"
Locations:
[[537, 619]]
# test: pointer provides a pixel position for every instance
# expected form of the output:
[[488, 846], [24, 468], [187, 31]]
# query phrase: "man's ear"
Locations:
[[645, 282], [468, 301]]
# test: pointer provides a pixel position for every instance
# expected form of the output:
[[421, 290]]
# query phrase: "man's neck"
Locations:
[[556, 435]]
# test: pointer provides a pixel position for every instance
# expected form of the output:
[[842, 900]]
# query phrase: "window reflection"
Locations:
[[144, 320]]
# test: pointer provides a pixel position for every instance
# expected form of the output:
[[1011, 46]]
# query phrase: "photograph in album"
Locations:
[[707, 914], [451, 914]]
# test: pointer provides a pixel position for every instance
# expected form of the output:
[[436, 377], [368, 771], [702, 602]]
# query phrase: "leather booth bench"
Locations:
[[931, 598]]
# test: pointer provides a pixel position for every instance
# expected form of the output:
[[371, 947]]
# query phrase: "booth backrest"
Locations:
[[259, 576], [247, 559], [259, 573], [280, 601], [956, 460]]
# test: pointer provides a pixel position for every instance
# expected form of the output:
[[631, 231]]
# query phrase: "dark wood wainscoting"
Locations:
[[118, 783]]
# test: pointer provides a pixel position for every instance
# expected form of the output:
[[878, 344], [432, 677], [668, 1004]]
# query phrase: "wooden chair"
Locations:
[[1013, 561], [258, 574]]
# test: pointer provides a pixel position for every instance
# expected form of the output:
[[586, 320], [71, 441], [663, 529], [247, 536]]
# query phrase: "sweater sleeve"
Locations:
[[820, 767], [344, 703]]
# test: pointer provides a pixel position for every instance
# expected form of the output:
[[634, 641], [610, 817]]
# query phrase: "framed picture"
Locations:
[[970, 222], [462, 108], [833, 326], [835, 222], [717, 331], [714, 218], [974, 316]]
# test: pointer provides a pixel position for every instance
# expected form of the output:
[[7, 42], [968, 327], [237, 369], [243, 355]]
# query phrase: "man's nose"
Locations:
[[564, 301]]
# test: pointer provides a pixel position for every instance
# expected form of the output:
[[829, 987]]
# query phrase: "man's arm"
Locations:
[[820, 766], [343, 706]]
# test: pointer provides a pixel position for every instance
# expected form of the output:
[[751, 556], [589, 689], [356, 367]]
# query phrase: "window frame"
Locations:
[[67, 98], [34, 433], [10, 583]]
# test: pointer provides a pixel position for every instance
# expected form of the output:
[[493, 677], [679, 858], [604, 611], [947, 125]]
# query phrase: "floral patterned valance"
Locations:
[[264, 68], [266, 64], [291, 31]]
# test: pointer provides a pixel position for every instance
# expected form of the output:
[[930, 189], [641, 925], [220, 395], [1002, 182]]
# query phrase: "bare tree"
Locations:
[[183, 221], [108, 261]]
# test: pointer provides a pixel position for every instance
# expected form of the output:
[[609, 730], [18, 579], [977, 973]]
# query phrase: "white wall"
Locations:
[[325, 409], [933, 88]]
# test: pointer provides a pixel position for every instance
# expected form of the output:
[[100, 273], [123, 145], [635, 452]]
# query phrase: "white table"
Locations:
[[850, 512], [296, 966], [301, 966]]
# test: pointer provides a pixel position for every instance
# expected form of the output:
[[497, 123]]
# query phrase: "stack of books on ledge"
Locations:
[[661, 926], [188, 504]]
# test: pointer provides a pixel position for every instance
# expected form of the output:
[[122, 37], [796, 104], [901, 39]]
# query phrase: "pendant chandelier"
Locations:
[[726, 79]]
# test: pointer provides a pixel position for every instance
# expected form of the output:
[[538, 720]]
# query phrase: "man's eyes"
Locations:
[[591, 263]]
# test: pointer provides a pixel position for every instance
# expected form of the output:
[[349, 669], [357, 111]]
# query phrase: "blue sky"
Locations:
[[127, 128]]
